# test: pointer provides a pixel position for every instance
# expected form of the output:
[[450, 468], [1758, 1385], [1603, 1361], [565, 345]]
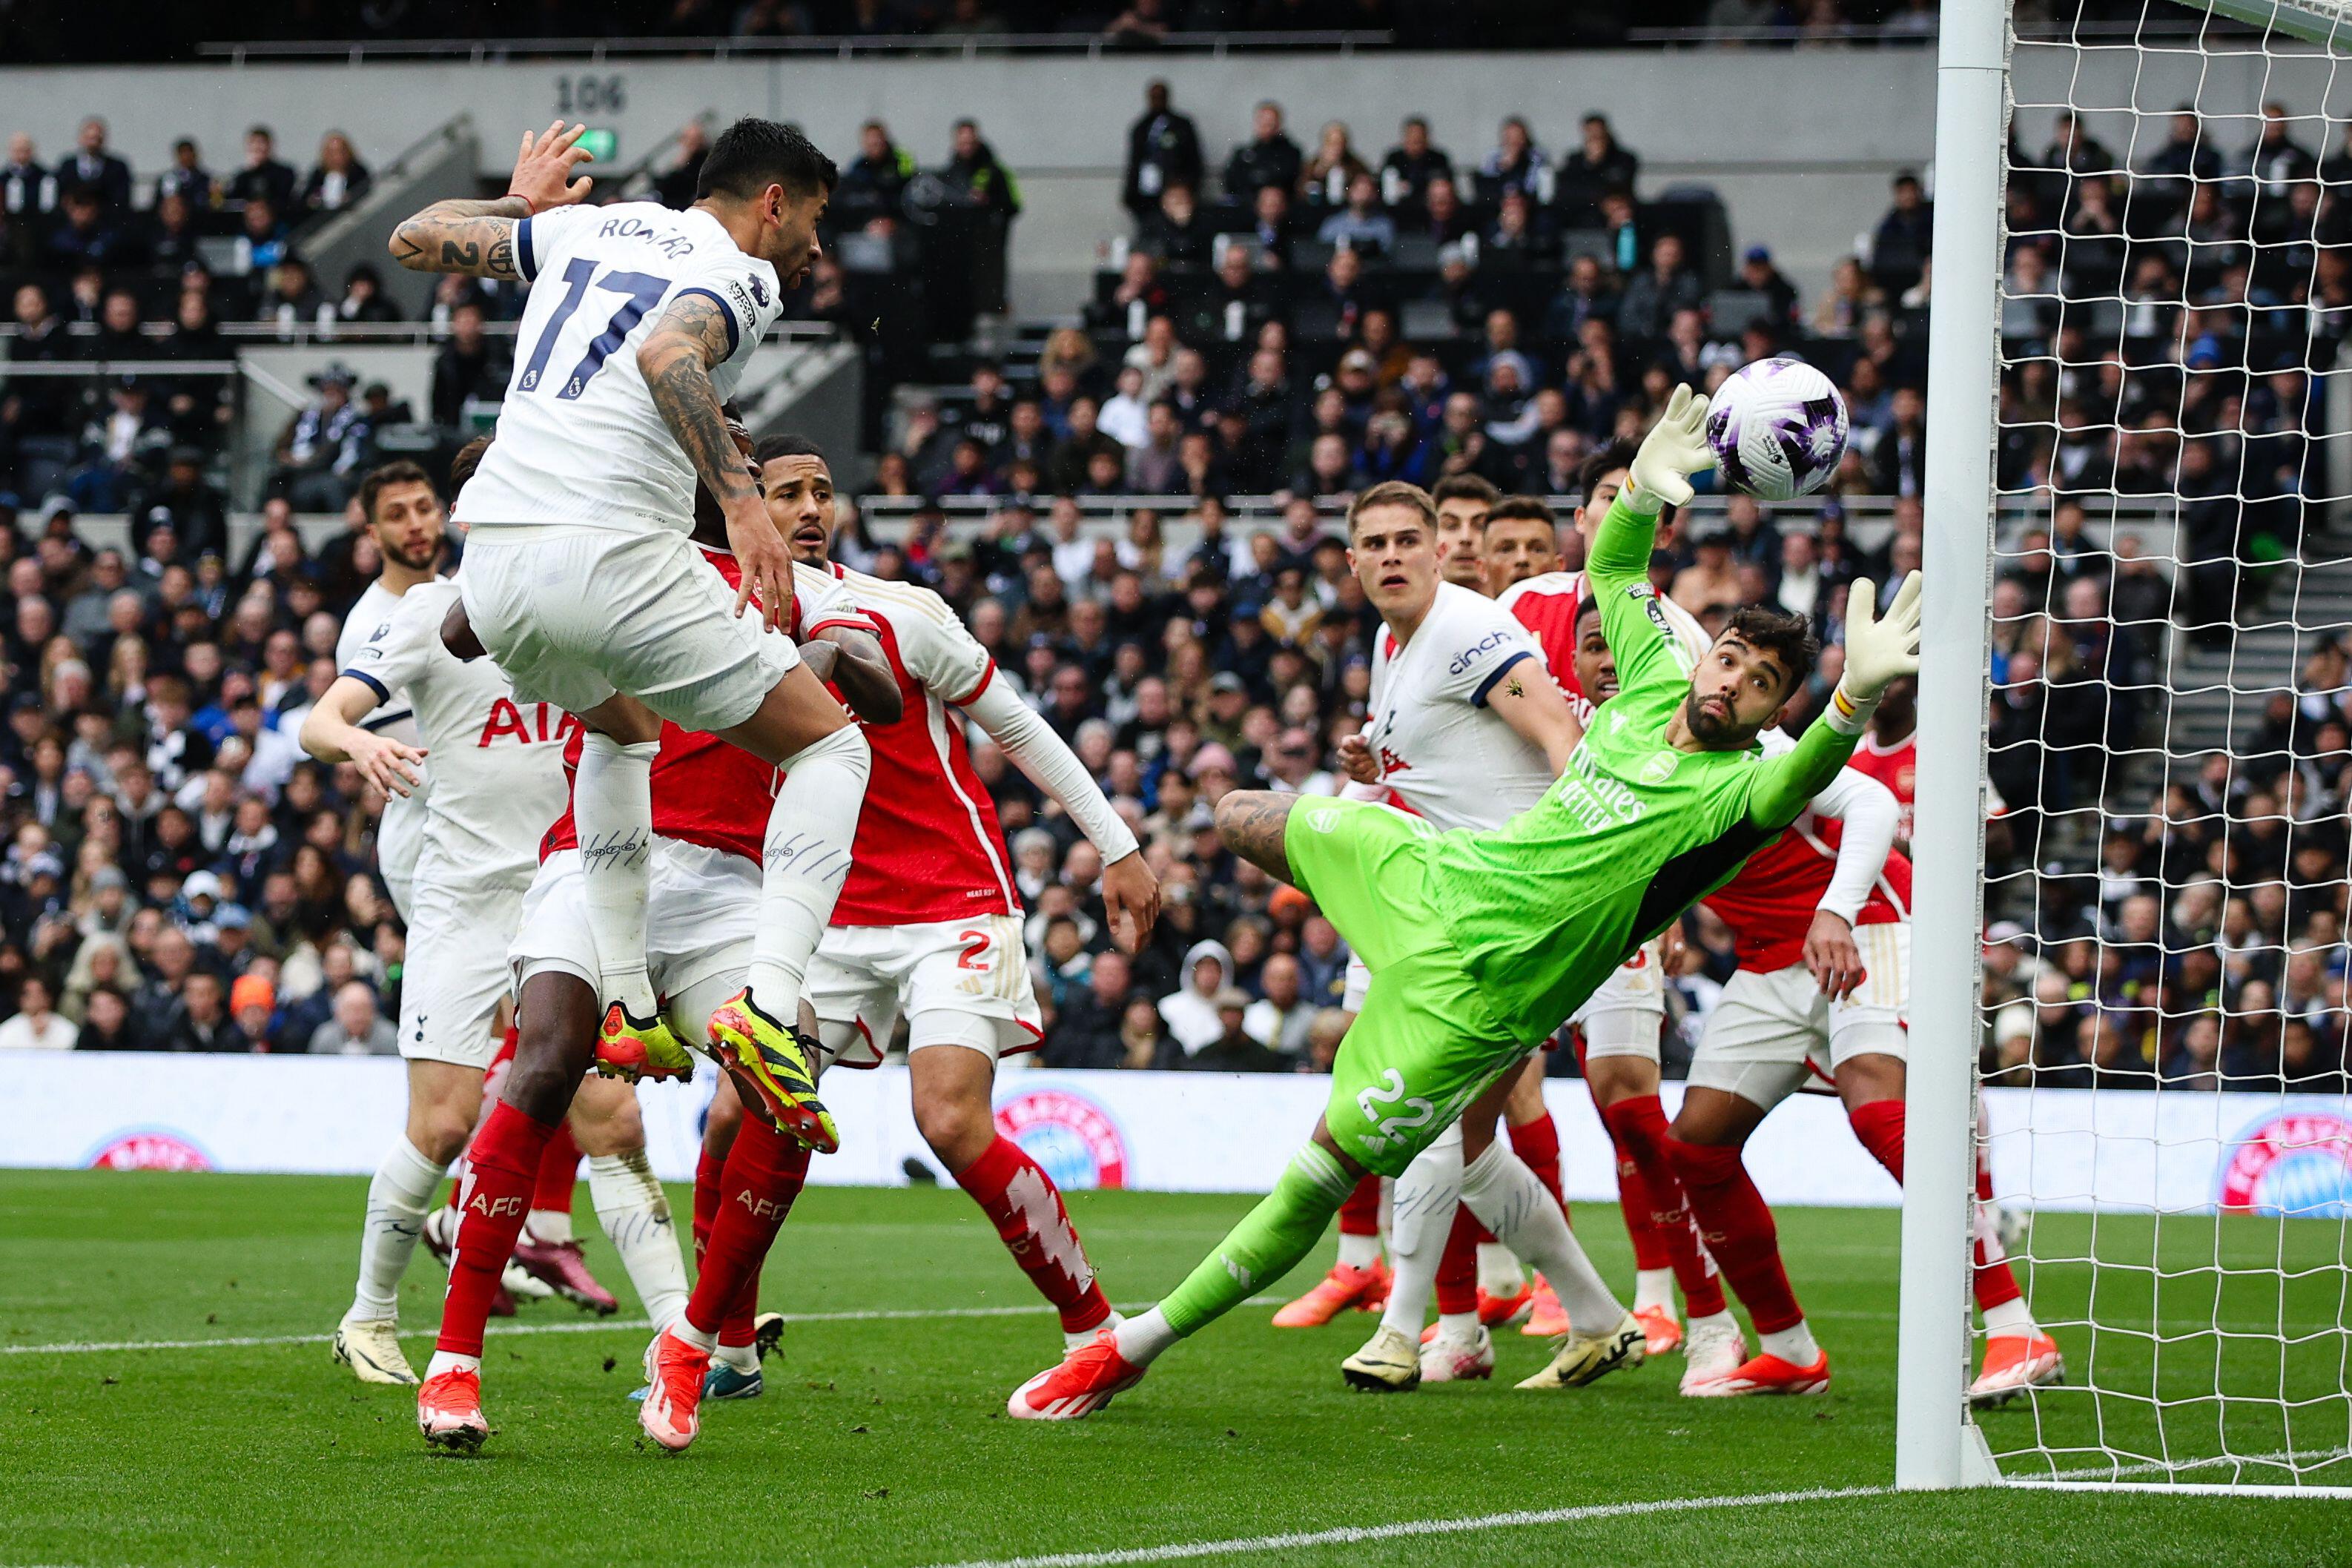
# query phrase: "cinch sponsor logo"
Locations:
[[2295, 1165], [1476, 651], [149, 1149], [1068, 1135]]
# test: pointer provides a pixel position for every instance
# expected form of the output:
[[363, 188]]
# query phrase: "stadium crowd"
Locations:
[[1291, 323]]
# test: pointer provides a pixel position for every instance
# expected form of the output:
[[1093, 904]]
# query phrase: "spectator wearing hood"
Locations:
[[1190, 1010]]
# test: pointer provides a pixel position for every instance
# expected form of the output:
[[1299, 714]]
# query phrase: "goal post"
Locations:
[[2142, 340]]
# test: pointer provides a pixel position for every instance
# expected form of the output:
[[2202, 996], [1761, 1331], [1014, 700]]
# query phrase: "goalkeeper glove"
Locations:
[[1879, 650], [1674, 449]]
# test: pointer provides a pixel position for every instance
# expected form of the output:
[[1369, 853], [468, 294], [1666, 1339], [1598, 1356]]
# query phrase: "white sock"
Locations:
[[811, 827], [1713, 1319], [1358, 1252], [1795, 1345], [1653, 1288], [1509, 1200], [553, 1226], [1426, 1197], [743, 1358], [1499, 1273], [1078, 1339], [398, 1197], [1142, 1339], [1457, 1326], [2009, 1318], [448, 1361], [635, 1212], [613, 808], [689, 1334]]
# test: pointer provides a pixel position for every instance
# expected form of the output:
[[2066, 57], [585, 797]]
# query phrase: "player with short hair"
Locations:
[[1463, 501], [930, 923], [498, 763], [582, 583], [1479, 942], [711, 809]]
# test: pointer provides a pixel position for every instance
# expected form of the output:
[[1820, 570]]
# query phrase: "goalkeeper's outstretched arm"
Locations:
[[1878, 650]]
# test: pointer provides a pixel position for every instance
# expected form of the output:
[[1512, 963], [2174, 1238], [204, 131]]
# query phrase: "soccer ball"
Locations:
[[1778, 428]]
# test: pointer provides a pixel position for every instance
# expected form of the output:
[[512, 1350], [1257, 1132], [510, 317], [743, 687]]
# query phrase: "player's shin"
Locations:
[[1499, 1188], [1020, 1200], [612, 804], [1266, 1245], [635, 1213], [763, 1176], [502, 1171], [1737, 1226], [398, 1196], [811, 828], [1419, 1220], [1638, 1127]]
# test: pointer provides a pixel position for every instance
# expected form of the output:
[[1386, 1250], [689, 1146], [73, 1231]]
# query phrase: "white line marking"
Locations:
[[1353, 1534], [588, 1325]]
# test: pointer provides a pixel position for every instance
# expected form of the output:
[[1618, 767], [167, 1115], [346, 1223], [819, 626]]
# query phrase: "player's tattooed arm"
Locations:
[[477, 238], [690, 338], [1252, 823]]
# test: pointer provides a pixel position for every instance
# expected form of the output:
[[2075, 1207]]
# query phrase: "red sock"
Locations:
[[1016, 1193], [1538, 1143], [1737, 1227], [709, 1176], [559, 1173], [1360, 1215], [490, 1081], [1638, 1127], [1879, 1124], [1457, 1266], [763, 1174], [492, 1199]]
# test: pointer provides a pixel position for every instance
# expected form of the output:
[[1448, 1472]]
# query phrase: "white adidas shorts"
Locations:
[[959, 982], [1768, 1030], [572, 614], [1626, 1017], [702, 907], [399, 840], [456, 974]]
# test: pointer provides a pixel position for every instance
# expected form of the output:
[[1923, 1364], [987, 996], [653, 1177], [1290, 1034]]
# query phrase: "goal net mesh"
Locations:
[[2163, 1066]]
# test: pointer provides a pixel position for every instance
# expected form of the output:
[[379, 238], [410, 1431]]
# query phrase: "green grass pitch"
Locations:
[[881, 1440]]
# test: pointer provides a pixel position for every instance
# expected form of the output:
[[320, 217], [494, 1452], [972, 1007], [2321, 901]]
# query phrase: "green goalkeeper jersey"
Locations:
[[1632, 834]]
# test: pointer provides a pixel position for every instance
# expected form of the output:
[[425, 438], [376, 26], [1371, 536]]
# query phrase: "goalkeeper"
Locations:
[[1480, 942]]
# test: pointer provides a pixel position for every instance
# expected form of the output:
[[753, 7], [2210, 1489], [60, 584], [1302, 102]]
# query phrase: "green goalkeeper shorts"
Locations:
[[1426, 1042]]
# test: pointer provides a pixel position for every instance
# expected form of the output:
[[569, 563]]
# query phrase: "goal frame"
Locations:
[[1938, 1444]]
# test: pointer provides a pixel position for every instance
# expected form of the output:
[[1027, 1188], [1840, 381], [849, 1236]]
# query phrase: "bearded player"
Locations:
[[1478, 943], [582, 583]]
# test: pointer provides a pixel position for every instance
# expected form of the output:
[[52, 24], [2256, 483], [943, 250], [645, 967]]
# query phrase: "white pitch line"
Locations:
[[590, 1325], [1349, 1535]]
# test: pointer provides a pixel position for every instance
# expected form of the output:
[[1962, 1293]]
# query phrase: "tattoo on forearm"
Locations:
[[473, 237], [690, 338]]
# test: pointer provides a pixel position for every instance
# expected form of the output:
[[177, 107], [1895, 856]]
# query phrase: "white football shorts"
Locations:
[[1626, 1017], [399, 840], [702, 907], [573, 614], [959, 982], [456, 973], [1768, 1030]]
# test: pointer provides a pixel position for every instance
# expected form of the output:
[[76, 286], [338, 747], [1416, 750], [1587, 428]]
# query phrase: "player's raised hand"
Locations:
[[387, 764], [1674, 449], [1880, 649], [1356, 760], [542, 171], [766, 562], [1129, 890]]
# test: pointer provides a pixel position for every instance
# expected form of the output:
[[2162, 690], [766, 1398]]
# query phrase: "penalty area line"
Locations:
[[1349, 1535]]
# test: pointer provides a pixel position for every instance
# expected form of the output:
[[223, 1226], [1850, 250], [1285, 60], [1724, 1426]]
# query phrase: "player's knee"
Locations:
[[605, 1119], [439, 1132], [1870, 1075], [724, 1120], [845, 746], [957, 1129], [542, 1078]]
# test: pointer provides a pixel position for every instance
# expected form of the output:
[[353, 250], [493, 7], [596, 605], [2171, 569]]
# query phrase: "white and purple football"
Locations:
[[1778, 428]]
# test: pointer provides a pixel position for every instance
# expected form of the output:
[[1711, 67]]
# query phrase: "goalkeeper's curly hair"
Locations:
[[1787, 638]]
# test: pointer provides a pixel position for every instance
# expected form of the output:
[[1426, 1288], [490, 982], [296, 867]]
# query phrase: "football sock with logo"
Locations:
[[763, 1176], [1737, 1225], [1508, 1200], [635, 1213], [491, 1203], [1266, 1245], [398, 1195], [551, 1198], [811, 827], [1457, 1270], [1360, 1225], [1638, 1127], [1421, 1216], [1538, 1143], [1020, 1200], [613, 808]]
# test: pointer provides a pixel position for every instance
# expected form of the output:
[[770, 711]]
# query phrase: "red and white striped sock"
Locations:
[[1027, 1208]]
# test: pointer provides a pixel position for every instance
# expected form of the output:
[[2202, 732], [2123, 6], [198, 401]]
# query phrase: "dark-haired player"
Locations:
[[582, 583], [1479, 943]]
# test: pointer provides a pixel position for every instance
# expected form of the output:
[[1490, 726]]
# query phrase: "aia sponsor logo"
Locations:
[[1068, 1133], [2295, 1164], [149, 1149]]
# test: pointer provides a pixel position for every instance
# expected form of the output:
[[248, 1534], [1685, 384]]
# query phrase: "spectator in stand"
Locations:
[[876, 178], [1515, 164], [290, 299], [262, 233], [973, 173], [36, 1025], [469, 368], [1333, 171], [187, 178], [675, 185], [1174, 232], [1757, 275], [1269, 157], [1599, 164], [1410, 166], [172, 241], [1899, 246], [1654, 295], [338, 180], [86, 234], [263, 178], [28, 195], [364, 300], [317, 454], [1360, 225], [356, 1027], [1164, 150], [91, 167]]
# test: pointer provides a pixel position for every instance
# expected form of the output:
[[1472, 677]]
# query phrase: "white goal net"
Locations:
[[2162, 1024]]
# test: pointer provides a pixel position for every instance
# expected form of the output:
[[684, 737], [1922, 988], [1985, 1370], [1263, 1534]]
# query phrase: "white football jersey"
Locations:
[[369, 619], [497, 764], [579, 440], [1448, 755]]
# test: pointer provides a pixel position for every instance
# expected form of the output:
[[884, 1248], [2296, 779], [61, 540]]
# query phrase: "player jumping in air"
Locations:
[[1479, 943], [581, 580]]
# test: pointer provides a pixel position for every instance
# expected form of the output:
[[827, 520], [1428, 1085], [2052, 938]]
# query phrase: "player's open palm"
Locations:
[[542, 171], [387, 764], [1130, 901], [1880, 648], [1674, 449]]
